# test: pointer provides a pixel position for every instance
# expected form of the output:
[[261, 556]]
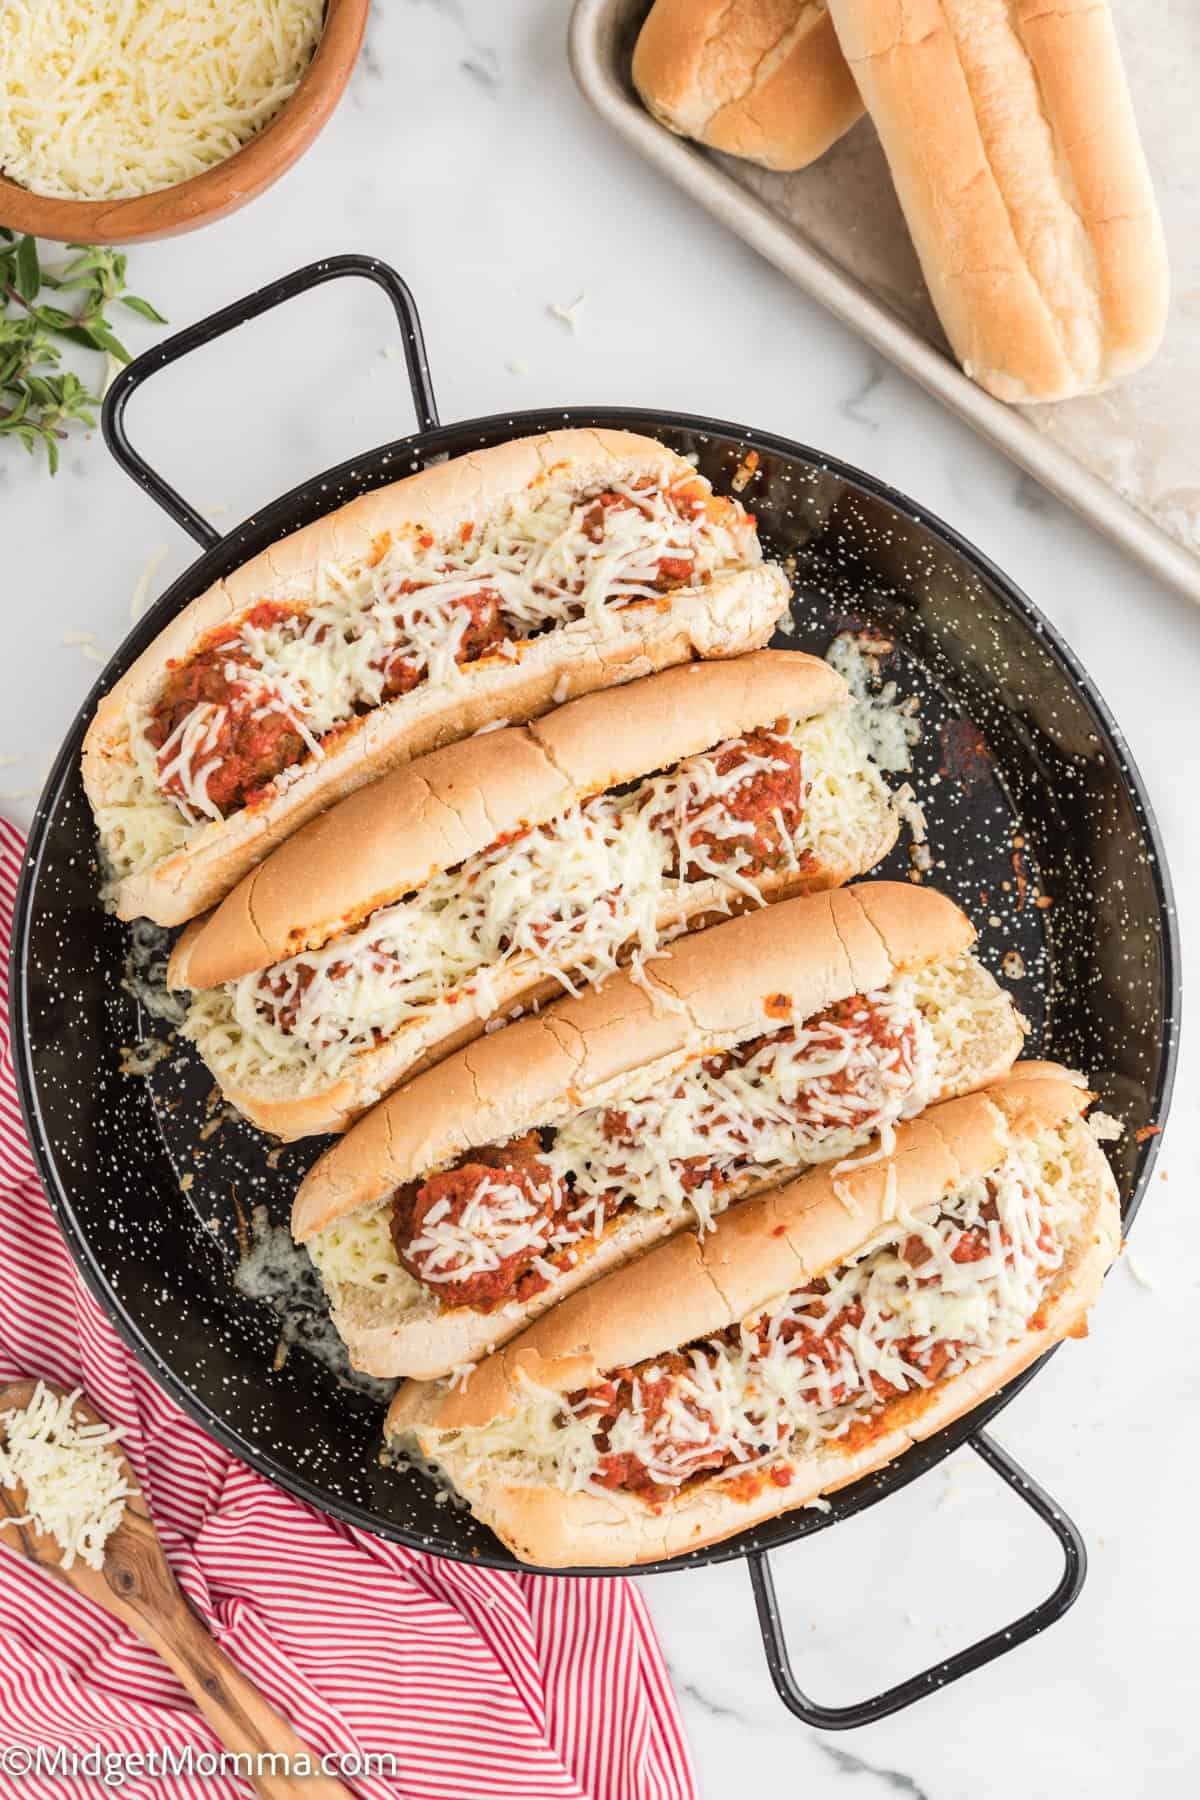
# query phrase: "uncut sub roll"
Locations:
[[526, 1165], [507, 869], [763, 79], [487, 588], [1015, 154], [814, 1335]]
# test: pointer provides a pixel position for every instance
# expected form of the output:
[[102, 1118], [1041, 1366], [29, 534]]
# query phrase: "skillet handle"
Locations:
[[962, 1662], [300, 281]]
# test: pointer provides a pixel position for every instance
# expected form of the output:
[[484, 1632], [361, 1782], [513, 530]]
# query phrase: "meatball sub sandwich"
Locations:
[[504, 870], [490, 587], [528, 1163], [815, 1334]]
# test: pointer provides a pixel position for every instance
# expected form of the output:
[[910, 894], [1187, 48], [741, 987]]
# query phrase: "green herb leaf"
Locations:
[[13, 418], [96, 336], [38, 397], [29, 275], [136, 304], [53, 318]]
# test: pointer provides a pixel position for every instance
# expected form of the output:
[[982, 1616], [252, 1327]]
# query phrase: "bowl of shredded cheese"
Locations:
[[125, 119]]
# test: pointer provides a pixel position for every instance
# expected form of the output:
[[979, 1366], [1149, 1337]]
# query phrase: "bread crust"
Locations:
[[1015, 153], [763, 79], [599, 1331], [735, 981], [736, 611], [390, 838]]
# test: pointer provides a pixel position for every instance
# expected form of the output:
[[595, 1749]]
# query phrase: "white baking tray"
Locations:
[[1128, 460]]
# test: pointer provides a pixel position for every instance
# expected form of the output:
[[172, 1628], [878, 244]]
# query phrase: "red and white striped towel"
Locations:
[[480, 1683]]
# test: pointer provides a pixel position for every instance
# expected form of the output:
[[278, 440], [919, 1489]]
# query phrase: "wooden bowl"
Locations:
[[224, 187]]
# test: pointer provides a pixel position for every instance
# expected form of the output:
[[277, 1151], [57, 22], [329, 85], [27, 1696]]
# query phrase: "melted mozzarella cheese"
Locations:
[[357, 1253]]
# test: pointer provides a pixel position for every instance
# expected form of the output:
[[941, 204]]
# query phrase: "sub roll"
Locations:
[[1013, 146], [527, 1164], [763, 79], [810, 1338], [488, 588], [520, 864]]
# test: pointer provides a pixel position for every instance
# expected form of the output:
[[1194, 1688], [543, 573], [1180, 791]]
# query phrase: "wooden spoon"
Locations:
[[136, 1585]]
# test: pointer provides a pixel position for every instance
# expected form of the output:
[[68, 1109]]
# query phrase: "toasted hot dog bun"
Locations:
[[732, 983], [735, 610], [1012, 142], [388, 839], [758, 1253], [763, 79]]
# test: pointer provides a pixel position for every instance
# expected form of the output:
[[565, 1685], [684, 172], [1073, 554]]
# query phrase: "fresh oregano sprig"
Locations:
[[39, 399]]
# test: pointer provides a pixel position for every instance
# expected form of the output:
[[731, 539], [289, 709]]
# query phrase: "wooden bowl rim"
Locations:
[[228, 184]]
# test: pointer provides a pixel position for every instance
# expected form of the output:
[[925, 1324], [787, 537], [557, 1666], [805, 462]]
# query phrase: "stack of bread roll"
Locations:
[[1012, 143]]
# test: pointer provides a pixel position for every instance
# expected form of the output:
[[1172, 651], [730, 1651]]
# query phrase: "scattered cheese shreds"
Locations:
[[140, 598], [105, 99], [75, 1488], [86, 644], [1104, 1128], [568, 314]]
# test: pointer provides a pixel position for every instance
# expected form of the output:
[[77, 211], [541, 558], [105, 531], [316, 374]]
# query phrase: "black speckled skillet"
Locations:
[[1029, 791]]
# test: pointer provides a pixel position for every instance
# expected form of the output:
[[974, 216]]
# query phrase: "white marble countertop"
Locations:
[[463, 156]]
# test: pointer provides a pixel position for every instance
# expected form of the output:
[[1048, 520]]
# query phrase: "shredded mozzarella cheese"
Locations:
[[889, 725], [753, 1136], [74, 1485], [349, 627], [570, 899], [500, 1220], [105, 99], [808, 1100]]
